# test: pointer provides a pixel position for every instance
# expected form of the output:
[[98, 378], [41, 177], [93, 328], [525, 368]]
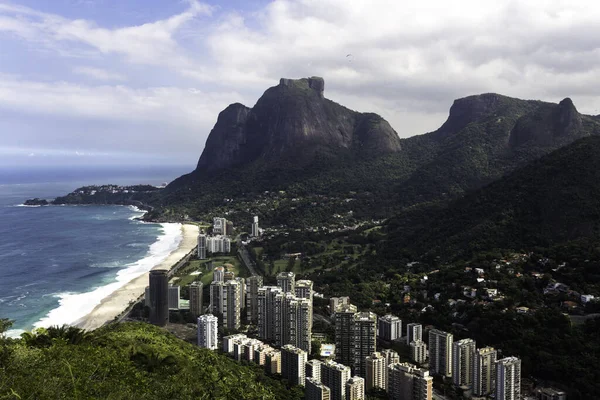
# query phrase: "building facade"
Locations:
[[376, 372], [293, 361], [414, 332], [389, 328], [255, 231], [355, 388], [463, 362], [266, 312], [216, 298], [440, 353], [365, 340], [418, 351], [231, 305], [208, 327], [219, 274], [508, 379], [315, 390], [313, 369], [407, 382], [195, 291], [202, 246], [484, 371], [159, 297], [252, 285], [391, 357], [335, 376], [219, 226], [344, 333], [287, 281]]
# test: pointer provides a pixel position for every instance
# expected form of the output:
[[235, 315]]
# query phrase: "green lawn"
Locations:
[[185, 274]]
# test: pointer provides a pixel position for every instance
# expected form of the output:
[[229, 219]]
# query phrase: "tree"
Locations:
[[5, 325], [290, 264]]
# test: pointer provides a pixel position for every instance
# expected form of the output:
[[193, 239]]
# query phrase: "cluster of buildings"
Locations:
[[219, 241], [478, 371], [283, 316]]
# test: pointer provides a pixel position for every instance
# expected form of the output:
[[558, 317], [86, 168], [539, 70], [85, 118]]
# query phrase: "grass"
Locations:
[[185, 276]]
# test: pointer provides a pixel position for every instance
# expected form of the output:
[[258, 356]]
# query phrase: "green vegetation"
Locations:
[[551, 201], [125, 361], [185, 275]]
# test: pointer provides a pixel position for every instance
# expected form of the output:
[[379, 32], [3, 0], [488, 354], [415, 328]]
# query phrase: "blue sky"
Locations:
[[142, 81]]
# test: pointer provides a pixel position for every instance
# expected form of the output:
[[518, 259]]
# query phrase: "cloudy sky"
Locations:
[[142, 81]]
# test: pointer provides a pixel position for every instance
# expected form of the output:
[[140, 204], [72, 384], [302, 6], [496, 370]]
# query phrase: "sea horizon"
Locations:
[[59, 262]]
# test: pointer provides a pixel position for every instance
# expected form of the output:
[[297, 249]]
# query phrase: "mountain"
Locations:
[[551, 201], [296, 140], [293, 122]]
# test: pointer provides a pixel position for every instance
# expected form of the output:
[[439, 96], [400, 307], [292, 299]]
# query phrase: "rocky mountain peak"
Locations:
[[294, 123], [470, 109], [315, 83]]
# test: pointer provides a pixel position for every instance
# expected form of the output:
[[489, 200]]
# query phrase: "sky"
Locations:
[[93, 82]]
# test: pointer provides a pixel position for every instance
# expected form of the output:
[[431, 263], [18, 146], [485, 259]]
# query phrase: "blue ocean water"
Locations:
[[58, 262]]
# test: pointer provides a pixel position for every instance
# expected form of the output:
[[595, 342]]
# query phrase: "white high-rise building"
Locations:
[[389, 328], [407, 382], [228, 342], [335, 376], [174, 297], [231, 305], [313, 369], [287, 281], [218, 244], [355, 388], [484, 371], [304, 289], [418, 351], [195, 290], [255, 231], [242, 283], [463, 362], [293, 361], [414, 332], [202, 246], [508, 379], [219, 226], [207, 331], [219, 274], [391, 357], [440, 353], [376, 372]]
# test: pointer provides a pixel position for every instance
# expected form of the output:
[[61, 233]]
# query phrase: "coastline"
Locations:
[[114, 304]]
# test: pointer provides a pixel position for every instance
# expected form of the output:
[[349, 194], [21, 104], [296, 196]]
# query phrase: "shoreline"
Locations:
[[115, 303]]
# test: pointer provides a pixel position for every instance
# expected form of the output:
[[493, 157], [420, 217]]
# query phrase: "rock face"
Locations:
[[293, 122], [548, 124]]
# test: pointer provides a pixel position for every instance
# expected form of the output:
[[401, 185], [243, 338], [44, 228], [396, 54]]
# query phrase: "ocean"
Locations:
[[58, 262]]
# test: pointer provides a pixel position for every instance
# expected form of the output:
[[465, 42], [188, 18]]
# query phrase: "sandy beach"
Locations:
[[113, 305]]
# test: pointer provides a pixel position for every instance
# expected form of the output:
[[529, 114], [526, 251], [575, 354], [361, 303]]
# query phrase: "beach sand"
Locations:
[[119, 300]]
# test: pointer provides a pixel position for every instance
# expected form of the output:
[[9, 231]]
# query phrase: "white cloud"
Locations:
[[409, 60], [98, 74]]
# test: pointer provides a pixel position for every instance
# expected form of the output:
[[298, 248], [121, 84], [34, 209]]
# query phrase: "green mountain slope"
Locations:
[[550, 201], [126, 361]]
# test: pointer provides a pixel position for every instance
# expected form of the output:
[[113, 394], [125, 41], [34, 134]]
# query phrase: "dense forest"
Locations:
[[125, 361]]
